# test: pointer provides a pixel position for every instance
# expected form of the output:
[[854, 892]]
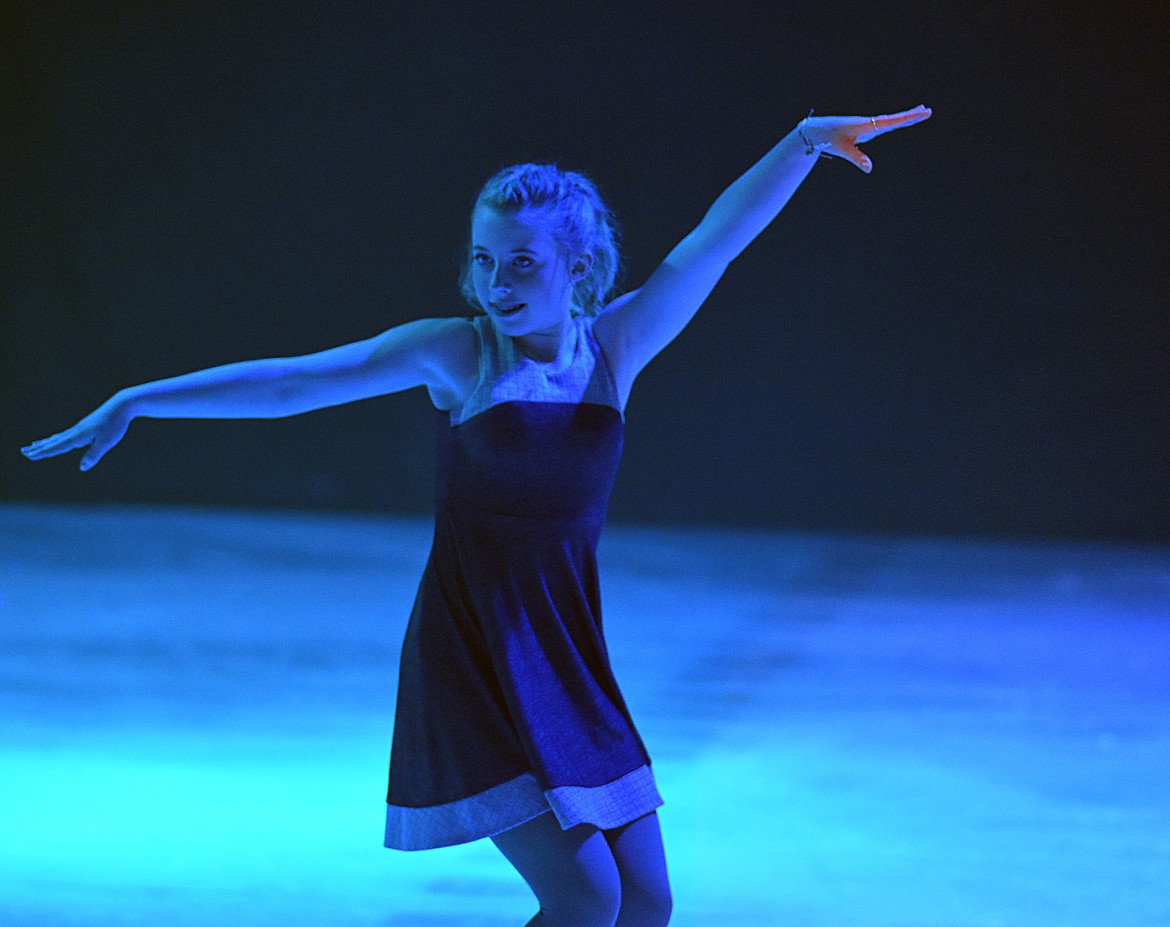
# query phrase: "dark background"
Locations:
[[972, 339]]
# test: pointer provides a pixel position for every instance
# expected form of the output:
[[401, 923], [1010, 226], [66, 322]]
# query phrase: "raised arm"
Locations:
[[639, 324], [436, 353]]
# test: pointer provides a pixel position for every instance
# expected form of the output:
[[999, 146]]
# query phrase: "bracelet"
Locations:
[[809, 147]]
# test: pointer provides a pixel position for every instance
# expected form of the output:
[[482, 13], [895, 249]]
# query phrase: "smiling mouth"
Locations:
[[509, 310]]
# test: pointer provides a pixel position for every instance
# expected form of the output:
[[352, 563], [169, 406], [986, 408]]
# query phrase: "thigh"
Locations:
[[572, 872], [641, 862]]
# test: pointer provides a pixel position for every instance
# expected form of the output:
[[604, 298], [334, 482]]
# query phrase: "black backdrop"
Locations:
[[972, 339]]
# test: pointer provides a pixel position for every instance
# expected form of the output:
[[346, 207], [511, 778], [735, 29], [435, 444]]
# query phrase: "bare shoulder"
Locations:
[[635, 327], [443, 339], [449, 349]]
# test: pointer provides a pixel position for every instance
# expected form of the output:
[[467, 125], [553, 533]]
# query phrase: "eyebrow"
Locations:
[[514, 250]]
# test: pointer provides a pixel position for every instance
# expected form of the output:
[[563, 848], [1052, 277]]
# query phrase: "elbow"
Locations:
[[703, 252], [696, 267], [297, 386], [292, 393]]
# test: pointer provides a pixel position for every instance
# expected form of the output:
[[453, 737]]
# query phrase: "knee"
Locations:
[[594, 908], [604, 902], [592, 902], [645, 906]]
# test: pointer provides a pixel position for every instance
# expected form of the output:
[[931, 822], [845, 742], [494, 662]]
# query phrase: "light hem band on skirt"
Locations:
[[517, 801]]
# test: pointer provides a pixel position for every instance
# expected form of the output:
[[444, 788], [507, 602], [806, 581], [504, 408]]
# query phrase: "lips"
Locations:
[[508, 310]]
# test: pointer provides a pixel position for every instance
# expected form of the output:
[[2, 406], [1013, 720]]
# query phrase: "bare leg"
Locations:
[[637, 850], [572, 872]]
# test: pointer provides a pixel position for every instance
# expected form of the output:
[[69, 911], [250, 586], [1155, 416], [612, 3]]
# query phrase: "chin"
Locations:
[[513, 323]]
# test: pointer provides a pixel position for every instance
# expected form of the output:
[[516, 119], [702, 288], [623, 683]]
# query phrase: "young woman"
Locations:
[[509, 723]]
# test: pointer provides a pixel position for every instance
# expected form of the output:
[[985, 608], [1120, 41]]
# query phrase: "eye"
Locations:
[[481, 259], [522, 261]]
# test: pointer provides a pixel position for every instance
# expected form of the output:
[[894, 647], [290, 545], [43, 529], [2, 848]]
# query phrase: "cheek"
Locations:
[[479, 282]]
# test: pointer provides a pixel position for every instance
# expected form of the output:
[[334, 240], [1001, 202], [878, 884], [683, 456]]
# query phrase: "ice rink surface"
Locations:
[[195, 713]]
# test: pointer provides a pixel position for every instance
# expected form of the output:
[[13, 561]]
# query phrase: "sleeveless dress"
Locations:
[[507, 705]]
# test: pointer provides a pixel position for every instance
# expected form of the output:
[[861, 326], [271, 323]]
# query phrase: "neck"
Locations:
[[546, 345]]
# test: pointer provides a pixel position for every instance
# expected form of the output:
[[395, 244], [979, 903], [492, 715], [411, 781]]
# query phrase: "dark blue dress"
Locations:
[[507, 705]]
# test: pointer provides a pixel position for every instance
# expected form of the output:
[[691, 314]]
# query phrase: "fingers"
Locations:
[[52, 446], [880, 125], [99, 431], [92, 457], [102, 442], [71, 440], [857, 157], [892, 121]]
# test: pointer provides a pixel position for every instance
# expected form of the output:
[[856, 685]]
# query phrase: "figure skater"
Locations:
[[509, 723]]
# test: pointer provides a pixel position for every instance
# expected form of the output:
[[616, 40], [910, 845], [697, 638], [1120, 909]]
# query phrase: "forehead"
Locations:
[[510, 231]]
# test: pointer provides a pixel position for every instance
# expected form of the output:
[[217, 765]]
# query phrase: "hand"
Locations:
[[840, 135], [99, 431]]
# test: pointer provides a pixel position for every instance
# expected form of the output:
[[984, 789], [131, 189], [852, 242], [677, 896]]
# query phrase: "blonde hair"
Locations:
[[578, 220]]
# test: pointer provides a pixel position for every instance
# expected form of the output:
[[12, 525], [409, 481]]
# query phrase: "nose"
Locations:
[[500, 277], [500, 284]]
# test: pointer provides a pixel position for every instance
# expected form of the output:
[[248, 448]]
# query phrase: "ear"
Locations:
[[580, 267]]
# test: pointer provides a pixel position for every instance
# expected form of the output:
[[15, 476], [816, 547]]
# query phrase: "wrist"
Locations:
[[813, 141], [129, 401]]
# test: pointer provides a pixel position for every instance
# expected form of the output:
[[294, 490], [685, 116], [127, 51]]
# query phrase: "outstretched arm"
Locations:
[[638, 325], [434, 353]]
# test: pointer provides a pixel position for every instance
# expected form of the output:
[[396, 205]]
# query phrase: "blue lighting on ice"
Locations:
[[195, 717]]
